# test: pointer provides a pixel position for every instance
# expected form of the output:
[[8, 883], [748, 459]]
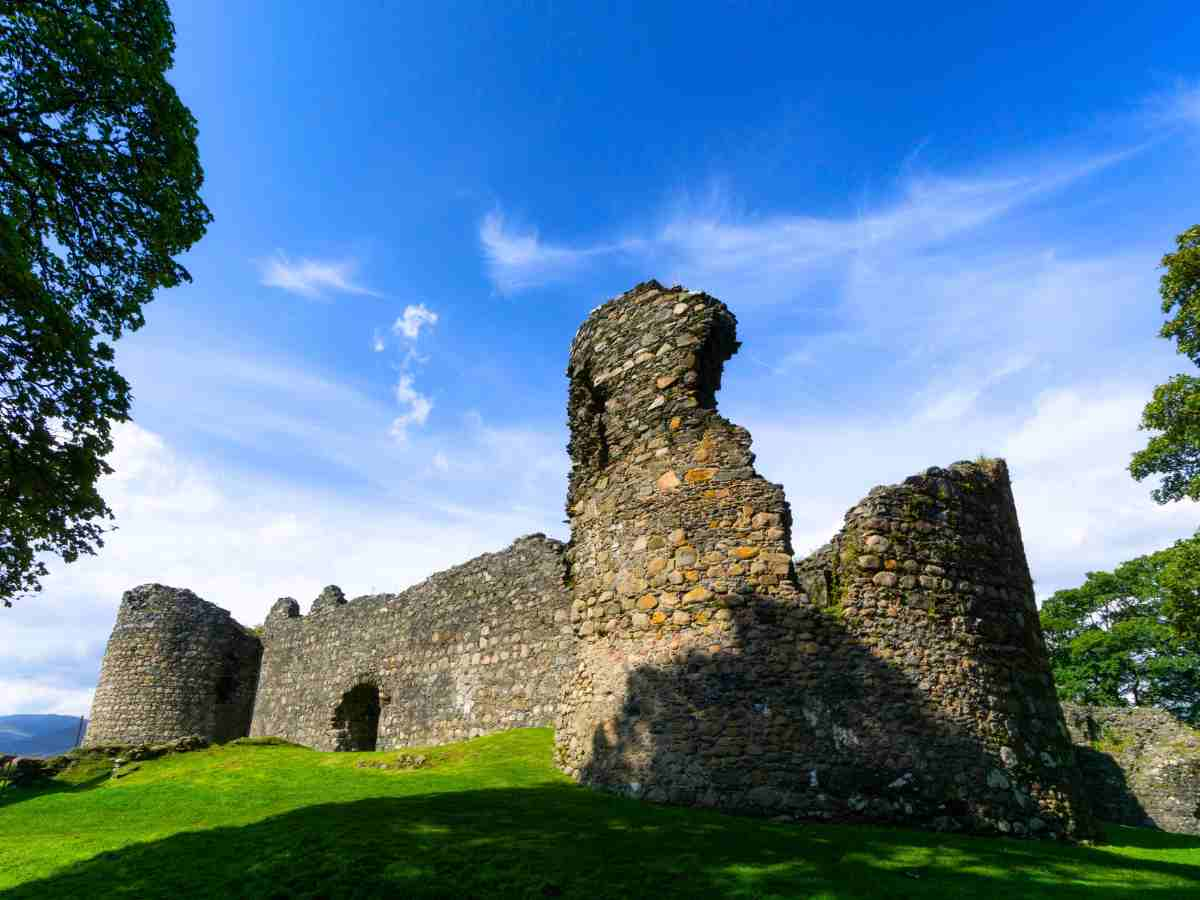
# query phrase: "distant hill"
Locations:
[[38, 735]]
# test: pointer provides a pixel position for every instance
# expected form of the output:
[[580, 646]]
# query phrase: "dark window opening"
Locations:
[[356, 720], [226, 688]]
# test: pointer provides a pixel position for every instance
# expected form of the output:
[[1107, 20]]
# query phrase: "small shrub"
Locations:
[[1111, 742]]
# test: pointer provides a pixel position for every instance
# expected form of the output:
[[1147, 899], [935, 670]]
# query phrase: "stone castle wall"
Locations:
[[909, 684], [1141, 766], [479, 648], [898, 674], [175, 665]]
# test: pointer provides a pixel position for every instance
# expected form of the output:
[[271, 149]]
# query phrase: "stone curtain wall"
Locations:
[[175, 665], [912, 686], [476, 649], [1141, 765]]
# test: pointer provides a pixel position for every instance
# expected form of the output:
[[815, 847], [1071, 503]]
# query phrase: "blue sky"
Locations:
[[939, 233]]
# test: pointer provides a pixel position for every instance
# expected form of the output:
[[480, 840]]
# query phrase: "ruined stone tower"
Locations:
[[175, 665], [908, 683]]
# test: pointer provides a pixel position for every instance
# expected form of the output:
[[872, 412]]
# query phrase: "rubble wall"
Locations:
[[1141, 765], [908, 683], [479, 648]]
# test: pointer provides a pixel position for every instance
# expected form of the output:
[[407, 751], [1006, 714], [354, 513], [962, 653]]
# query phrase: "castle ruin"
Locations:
[[898, 674]]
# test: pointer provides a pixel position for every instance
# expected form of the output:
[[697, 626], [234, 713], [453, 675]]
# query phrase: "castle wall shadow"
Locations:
[[1112, 796], [837, 735], [1140, 765]]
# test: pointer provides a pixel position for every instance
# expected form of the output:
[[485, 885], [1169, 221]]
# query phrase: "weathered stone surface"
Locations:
[[402, 761], [898, 674], [478, 648], [863, 700], [175, 666], [1141, 765], [25, 769], [329, 598]]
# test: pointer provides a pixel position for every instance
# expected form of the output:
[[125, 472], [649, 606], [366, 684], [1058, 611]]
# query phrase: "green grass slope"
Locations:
[[492, 818]]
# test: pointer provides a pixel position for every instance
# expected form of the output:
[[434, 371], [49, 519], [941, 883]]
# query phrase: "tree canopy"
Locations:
[[99, 192], [1173, 413], [1111, 640]]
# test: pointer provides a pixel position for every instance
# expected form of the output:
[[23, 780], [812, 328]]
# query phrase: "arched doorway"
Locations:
[[356, 719]]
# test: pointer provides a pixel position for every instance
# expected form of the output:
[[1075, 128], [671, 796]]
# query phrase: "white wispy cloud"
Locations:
[[1080, 509], [709, 242], [416, 405], [1043, 358], [378, 344], [1067, 448], [517, 258], [1178, 106], [1188, 106], [414, 318], [955, 395], [950, 405], [311, 277], [257, 402], [35, 695]]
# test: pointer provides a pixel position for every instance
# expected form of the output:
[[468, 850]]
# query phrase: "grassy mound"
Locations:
[[491, 817]]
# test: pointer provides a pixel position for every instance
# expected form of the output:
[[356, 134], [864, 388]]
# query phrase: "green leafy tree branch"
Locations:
[[99, 192], [1173, 413], [1112, 641]]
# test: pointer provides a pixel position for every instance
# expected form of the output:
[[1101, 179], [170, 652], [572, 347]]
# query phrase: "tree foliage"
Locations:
[[1173, 413], [99, 191], [1179, 581], [1111, 640]]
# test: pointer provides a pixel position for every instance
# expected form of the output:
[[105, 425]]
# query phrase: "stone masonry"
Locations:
[[897, 675], [479, 648], [1141, 766], [175, 666], [909, 683]]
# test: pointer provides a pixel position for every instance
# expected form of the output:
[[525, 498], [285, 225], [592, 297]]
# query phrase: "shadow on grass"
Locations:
[[1140, 836], [560, 840]]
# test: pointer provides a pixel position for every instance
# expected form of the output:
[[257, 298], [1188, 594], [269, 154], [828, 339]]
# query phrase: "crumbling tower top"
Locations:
[[645, 363]]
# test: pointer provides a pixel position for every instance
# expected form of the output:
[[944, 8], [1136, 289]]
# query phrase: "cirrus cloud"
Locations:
[[311, 278]]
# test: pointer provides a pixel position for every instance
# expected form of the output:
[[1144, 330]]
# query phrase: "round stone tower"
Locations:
[[902, 677], [175, 665], [929, 577]]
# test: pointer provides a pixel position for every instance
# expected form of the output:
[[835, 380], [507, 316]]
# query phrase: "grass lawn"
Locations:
[[491, 817]]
